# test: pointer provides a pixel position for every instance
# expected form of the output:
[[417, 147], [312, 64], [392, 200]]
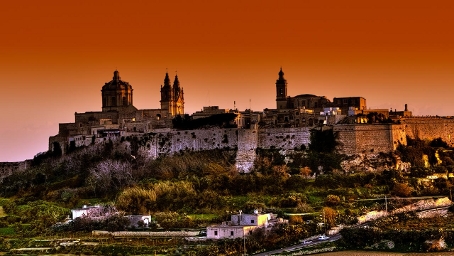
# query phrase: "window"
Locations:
[[231, 233], [252, 221], [215, 233]]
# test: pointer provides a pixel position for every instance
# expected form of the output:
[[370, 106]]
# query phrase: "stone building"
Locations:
[[8, 168], [116, 94], [303, 101], [395, 115], [118, 116], [306, 110], [350, 103], [172, 99]]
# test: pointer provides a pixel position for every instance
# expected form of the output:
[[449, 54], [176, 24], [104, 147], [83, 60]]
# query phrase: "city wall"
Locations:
[[369, 138], [284, 138], [353, 138], [430, 128], [8, 168]]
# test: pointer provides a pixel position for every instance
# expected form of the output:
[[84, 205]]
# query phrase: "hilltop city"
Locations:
[[309, 175], [360, 129]]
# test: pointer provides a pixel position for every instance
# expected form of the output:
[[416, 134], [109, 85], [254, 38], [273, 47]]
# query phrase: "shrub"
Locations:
[[332, 200]]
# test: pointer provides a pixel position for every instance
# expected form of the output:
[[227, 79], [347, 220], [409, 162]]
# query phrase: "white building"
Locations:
[[85, 211], [241, 225]]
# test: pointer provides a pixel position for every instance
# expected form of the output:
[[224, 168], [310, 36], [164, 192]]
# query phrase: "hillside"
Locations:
[[179, 190]]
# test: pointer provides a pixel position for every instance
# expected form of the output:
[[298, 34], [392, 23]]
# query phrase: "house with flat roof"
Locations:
[[241, 225]]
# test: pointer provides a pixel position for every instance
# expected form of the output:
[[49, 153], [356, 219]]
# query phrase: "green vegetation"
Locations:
[[195, 189]]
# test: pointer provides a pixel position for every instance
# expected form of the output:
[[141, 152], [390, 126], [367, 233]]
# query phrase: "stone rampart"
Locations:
[[369, 138], [284, 138], [429, 128], [8, 168], [173, 141], [353, 138]]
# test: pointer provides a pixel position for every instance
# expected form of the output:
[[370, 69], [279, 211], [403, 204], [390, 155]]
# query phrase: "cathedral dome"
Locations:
[[117, 83], [116, 94]]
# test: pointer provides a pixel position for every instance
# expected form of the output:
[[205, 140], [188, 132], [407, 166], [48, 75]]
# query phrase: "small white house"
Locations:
[[85, 211], [241, 225], [225, 231]]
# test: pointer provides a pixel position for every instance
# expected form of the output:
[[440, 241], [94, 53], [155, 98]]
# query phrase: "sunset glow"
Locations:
[[56, 56]]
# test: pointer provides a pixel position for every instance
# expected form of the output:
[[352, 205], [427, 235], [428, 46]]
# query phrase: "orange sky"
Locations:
[[55, 56]]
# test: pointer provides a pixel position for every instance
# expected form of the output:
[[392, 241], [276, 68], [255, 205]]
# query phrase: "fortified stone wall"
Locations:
[[204, 139], [174, 141], [354, 138], [284, 138], [373, 138], [430, 128], [8, 168]]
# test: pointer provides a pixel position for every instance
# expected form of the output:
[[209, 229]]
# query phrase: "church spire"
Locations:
[[281, 75], [167, 80], [176, 83]]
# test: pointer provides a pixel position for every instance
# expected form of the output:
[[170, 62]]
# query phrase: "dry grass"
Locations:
[[2, 212]]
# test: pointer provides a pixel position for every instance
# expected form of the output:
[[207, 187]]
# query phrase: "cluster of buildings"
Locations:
[[239, 226], [119, 117]]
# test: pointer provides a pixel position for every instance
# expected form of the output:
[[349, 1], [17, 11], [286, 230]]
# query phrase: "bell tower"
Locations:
[[166, 95], [178, 98], [281, 91]]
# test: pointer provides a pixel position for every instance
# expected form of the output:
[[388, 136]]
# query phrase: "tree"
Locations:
[[330, 215], [323, 140], [110, 175], [295, 219]]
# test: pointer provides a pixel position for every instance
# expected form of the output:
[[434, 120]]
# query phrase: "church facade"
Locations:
[[118, 115]]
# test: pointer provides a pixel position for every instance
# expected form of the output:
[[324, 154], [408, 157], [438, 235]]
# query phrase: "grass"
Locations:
[[203, 217], [7, 231]]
